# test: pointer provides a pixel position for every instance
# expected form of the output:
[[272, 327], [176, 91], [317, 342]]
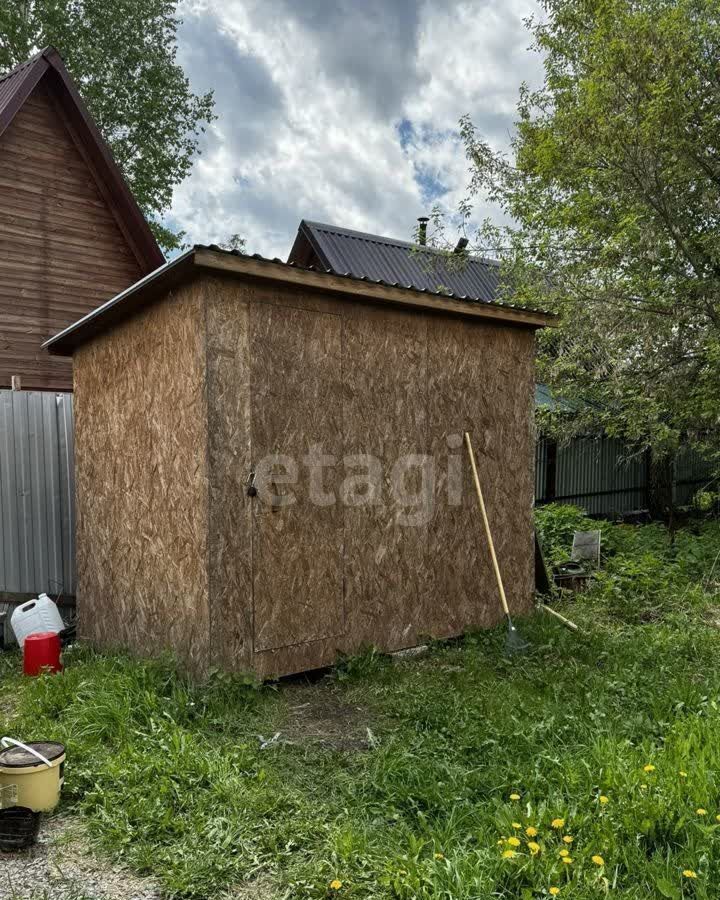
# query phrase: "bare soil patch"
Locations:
[[318, 715]]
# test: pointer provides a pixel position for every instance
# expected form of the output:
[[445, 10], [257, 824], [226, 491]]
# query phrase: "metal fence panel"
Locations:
[[8, 493], [67, 482], [599, 475], [37, 493], [603, 477], [692, 473], [541, 458]]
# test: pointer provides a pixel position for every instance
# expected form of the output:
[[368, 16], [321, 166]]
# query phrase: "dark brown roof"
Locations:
[[17, 85], [187, 266], [358, 253]]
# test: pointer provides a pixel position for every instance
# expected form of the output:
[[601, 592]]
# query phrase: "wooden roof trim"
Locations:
[[360, 289], [190, 264], [138, 296], [93, 148], [305, 245]]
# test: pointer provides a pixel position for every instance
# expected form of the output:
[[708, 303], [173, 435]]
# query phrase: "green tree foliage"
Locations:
[[123, 56], [613, 186], [235, 242]]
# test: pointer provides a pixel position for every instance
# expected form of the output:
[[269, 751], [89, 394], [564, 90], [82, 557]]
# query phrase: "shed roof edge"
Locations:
[[257, 268]]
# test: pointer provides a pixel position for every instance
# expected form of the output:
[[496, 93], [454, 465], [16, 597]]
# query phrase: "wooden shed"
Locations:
[[71, 233], [270, 470]]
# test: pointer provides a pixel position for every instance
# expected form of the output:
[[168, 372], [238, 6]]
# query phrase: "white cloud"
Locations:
[[310, 96]]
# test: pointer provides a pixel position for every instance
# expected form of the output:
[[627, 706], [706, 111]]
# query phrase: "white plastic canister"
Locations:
[[34, 617]]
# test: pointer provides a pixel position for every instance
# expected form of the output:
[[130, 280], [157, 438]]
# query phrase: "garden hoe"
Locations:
[[514, 642]]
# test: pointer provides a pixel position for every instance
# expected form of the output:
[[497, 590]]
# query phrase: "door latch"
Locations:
[[251, 490]]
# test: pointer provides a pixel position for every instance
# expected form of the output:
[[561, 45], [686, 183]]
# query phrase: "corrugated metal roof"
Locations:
[[16, 84], [9, 80], [356, 253]]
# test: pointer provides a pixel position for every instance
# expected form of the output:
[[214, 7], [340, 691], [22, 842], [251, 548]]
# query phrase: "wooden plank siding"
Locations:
[[62, 251]]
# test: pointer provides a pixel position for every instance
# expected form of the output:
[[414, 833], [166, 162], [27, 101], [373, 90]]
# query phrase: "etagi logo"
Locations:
[[406, 483]]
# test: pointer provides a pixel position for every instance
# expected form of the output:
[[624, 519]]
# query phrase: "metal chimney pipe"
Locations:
[[461, 245], [422, 229]]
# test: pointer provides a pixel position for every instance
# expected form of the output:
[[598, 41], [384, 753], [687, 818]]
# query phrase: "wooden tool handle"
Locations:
[[478, 489], [566, 622]]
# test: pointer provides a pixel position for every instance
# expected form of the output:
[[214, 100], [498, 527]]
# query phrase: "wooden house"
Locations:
[[71, 234], [221, 366]]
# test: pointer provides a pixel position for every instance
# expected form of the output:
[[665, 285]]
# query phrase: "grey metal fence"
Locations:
[[602, 476], [37, 491]]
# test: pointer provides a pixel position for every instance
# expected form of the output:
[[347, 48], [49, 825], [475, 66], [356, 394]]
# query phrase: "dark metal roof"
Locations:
[[186, 266], [347, 252], [15, 88]]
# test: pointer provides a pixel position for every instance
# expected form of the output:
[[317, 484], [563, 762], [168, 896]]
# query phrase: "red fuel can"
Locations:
[[41, 651]]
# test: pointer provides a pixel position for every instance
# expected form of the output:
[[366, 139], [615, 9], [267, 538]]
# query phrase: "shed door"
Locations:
[[297, 527]]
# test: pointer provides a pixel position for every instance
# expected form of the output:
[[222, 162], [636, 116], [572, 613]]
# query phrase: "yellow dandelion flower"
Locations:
[[533, 848], [568, 838], [508, 854], [700, 811], [501, 841], [649, 768], [682, 774], [603, 799], [553, 891], [439, 856], [531, 831], [516, 825], [335, 885], [688, 873], [514, 796], [557, 823], [514, 842], [718, 818], [567, 860], [564, 852], [598, 860]]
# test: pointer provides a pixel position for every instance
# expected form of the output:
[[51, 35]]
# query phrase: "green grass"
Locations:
[[171, 777]]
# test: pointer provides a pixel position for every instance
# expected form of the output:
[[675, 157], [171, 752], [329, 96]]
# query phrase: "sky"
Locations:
[[343, 111]]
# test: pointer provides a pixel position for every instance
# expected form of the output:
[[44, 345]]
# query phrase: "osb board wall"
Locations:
[[296, 408], [385, 414], [142, 483], [230, 535], [61, 251], [411, 383], [175, 407], [480, 380]]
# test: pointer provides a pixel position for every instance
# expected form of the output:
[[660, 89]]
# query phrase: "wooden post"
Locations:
[[16, 383]]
